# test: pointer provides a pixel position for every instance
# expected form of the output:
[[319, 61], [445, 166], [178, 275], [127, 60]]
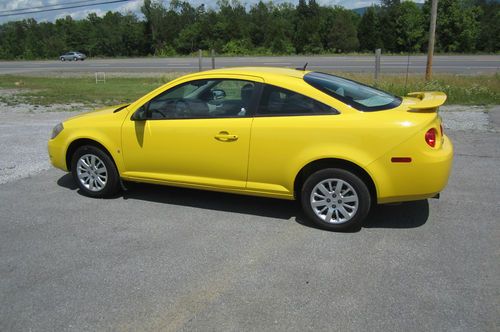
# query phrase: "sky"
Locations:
[[128, 6]]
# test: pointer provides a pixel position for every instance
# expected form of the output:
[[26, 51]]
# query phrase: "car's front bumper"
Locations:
[[57, 154]]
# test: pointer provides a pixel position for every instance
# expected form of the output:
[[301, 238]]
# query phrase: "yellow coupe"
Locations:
[[336, 145]]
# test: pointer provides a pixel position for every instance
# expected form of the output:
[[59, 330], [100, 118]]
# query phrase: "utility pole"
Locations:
[[200, 54], [432, 36], [378, 52], [213, 58]]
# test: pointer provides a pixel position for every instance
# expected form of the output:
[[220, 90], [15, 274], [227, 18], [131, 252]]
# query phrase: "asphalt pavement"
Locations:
[[162, 258], [455, 64]]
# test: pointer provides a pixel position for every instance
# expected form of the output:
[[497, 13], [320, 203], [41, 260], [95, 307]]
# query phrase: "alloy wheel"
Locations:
[[334, 201], [91, 172]]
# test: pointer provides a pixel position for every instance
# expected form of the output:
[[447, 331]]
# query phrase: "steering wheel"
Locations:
[[182, 109]]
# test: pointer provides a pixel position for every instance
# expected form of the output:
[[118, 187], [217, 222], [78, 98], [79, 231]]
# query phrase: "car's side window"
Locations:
[[217, 98], [277, 101]]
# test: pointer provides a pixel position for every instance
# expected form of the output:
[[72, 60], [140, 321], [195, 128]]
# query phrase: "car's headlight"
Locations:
[[57, 129]]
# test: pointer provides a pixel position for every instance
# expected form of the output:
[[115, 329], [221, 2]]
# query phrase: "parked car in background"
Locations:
[[335, 145], [72, 56]]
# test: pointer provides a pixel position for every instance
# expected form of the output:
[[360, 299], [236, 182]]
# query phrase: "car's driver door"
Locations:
[[196, 133]]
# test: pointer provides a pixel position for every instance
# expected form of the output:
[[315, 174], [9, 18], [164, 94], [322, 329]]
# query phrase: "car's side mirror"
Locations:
[[218, 94], [141, 114]]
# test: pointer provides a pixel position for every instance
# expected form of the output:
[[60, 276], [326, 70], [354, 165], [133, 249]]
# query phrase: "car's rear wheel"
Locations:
[[75, 58], [94, 172], [336, 199]]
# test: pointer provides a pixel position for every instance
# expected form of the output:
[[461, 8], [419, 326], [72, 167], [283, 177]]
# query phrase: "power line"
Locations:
[[46, 6], [62, 8]]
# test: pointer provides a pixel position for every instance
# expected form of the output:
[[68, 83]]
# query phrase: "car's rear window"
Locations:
[[357, 95]]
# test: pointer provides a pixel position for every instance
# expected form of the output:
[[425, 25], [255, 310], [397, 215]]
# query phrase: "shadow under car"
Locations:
[[404, 215]]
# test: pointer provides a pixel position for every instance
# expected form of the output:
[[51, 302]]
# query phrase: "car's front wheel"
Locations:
[[336, 199], [62, 59], [94, 172]]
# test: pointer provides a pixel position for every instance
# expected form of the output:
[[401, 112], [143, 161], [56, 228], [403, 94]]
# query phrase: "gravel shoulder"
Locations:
[[23, 143], [24, 131]]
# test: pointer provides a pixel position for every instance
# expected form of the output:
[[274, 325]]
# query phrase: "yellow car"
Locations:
[[336, 145]]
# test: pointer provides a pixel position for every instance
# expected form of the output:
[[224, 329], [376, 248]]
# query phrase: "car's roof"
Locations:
[[258, 71]]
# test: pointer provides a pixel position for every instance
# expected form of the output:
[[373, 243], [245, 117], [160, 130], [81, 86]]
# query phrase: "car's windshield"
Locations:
[[359, 96]]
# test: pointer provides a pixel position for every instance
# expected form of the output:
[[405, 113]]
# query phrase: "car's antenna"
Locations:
[[303, 68]]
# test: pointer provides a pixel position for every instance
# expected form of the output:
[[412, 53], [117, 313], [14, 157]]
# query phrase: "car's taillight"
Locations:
[[430, 137]]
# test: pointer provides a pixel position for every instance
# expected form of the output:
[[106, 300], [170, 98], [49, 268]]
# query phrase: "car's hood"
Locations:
[[100, 112]]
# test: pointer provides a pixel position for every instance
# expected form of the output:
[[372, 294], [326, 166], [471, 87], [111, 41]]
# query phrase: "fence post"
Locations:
[[199, 59], [378, 52], [213, 58]]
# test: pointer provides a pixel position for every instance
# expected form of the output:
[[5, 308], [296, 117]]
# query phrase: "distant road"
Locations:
[[466, 64]]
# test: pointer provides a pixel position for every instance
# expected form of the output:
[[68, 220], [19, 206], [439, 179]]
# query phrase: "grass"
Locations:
[[52, 90], [463, 90]]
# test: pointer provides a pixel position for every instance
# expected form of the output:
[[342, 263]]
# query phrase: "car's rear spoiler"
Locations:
[[429, 101]]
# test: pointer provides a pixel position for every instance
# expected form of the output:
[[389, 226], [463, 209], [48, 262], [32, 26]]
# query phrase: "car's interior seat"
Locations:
[[274, 104], [297, 104], [241, 108], [198, 108]]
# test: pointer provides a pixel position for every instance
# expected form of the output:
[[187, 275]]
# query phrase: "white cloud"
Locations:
[[81, 14], [19, 4], [134, 7], [354, 3]]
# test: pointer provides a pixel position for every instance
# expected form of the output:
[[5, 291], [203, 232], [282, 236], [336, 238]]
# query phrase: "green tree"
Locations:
[[457, 26], [261, 22], [12, 40], [390, 11], [190, 39], [280, 35], [369, 30], [307, 32], [233, 20], [409, 27], [340, 30], [162, 25], [489, 18], [177, 27]]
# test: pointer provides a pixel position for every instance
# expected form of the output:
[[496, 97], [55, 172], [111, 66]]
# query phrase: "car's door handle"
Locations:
[[224, 136]]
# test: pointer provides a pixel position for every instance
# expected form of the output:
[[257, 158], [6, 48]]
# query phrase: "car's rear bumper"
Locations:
[[424, 177]]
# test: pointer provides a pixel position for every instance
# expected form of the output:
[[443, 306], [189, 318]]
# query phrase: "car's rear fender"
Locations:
[[414, 169], [391, 131]]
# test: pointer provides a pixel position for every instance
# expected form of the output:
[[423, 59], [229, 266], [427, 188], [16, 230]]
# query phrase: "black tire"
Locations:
[[76, 59], [111, 185], [63, 59], [354, 188]]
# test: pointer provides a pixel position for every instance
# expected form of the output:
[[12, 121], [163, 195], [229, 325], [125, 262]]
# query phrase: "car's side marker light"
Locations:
[[401, 159]]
